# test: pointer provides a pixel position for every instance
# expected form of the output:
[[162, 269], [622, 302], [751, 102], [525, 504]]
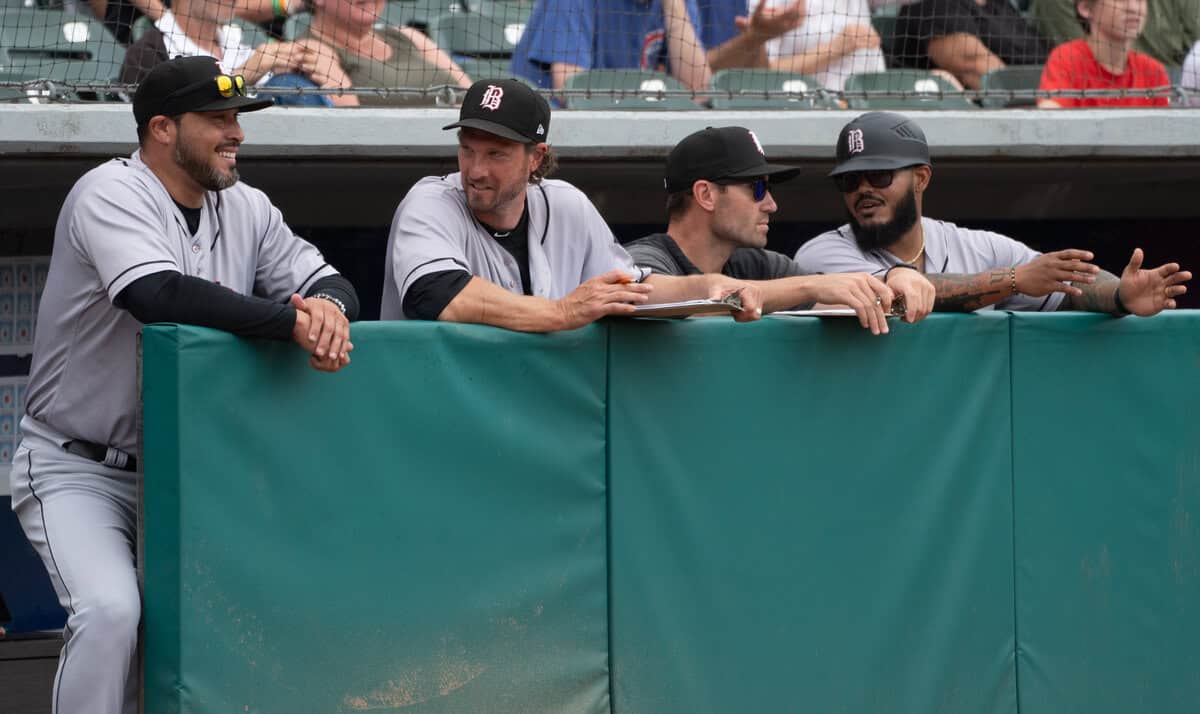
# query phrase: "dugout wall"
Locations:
[[986, 513]]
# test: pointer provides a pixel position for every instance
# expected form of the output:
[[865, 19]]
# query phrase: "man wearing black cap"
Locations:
[[500, 244], [719, 206], [167, 235], [883, 172]]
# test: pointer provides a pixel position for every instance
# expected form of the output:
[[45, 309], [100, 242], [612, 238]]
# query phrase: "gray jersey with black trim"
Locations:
[[434, 230], [119, 224], [948, 249]]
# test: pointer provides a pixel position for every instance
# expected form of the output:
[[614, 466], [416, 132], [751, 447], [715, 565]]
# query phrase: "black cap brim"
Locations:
[[490, 127], [874, 163], [244, 104], [778, 173]]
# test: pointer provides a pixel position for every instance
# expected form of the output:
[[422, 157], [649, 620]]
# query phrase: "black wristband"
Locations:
[[1121, 310], [898, 265]]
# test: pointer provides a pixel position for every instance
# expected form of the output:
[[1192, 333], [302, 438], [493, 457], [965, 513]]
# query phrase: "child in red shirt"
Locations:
[[1105, 58]]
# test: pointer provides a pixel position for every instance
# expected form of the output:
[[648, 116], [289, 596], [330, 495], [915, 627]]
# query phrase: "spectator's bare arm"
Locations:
[[560, 72], [436, 56], [749, 47], [851, 39], [685, 54], [965, 56]]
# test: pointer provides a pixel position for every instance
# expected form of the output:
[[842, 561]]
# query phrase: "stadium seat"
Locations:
[[421, 13], [626, 89], [911, 89], [752, 86], [471, 35], [57, 46], [507, 11], [1008, 79], [477, 68]]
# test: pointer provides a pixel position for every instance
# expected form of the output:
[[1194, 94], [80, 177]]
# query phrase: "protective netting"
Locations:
[[632, 54]]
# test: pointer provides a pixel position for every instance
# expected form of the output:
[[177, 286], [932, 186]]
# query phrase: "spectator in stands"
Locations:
[[565, 37], [392, 57], [1105, 59], [1172, 27], [834, 41], [736, 37], [719, 207], [967, 38], [119, 15], [1190, 78], [196, 27], [883, 171], [500, 244]]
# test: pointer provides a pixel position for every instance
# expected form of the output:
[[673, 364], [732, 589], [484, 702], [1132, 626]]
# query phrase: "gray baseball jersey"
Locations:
[[434, 230], [119, 224], [948, 249]]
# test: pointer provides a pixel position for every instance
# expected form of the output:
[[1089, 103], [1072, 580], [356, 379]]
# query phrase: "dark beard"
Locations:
[[204, 174], [885, 235]]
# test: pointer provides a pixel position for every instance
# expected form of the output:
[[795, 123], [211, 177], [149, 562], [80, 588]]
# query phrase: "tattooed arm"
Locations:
[[1100, 296], [958, 292]]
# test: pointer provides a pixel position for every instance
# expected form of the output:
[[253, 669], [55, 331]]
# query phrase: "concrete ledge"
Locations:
[[105, 130]]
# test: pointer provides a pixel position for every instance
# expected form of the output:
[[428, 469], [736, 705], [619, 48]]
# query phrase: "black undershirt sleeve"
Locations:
[[169, 296], [338, 287], [430, 294]]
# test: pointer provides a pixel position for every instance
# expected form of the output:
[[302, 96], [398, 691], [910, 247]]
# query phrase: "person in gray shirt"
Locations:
[[500, 244], [166, 235], [719, 207], [883, 171]]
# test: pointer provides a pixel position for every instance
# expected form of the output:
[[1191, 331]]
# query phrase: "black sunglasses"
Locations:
[[850, 180], [759, 186]]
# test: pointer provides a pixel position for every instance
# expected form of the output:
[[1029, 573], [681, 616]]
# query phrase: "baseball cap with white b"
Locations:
[[507, 108]]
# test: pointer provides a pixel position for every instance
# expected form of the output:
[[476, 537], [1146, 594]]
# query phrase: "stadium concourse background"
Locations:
[[1104, 180]]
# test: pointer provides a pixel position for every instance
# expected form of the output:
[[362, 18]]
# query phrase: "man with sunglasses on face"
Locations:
[[883, 172], [719, 205], [167, 235]]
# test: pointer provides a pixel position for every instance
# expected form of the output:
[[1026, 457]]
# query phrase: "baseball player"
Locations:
[[719, 206], [883, 171], [499, 244], [166, 235]]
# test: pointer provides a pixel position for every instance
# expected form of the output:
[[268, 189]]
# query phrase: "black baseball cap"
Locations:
[[715, 154], [507, 108], [190, 84], [878, 141]]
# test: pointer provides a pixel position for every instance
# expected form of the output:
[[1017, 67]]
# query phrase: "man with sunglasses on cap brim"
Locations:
[[719, 205], [883, 172], [500, 244], [167, 235]]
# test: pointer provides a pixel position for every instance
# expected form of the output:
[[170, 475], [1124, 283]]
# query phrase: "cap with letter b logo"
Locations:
[[878, 141], [507, 108]]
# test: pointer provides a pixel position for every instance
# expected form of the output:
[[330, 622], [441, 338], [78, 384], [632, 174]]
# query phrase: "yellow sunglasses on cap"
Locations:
[[231, 84]]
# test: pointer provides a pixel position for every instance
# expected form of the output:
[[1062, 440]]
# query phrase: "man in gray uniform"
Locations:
[[166, 235], [719, 206], [499, 244], [883, 171]]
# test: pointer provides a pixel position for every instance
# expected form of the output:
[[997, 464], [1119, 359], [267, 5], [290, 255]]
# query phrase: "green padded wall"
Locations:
[[806, 518], [1107, 455], [424, 531]]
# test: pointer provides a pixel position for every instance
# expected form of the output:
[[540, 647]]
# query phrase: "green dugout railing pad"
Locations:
[[806, 518], [1107, 493], [423, 531]]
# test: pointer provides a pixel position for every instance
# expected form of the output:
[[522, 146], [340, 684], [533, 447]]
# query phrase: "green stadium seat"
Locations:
[[752, 87], [421, 13], [627, 89], [1008, 79], [57, 46], [477, 68], [507, 11], [472, 35], [924, 90]]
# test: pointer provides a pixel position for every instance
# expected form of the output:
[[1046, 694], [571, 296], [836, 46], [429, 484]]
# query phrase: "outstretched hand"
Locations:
[[768, 23], [1149, 292]]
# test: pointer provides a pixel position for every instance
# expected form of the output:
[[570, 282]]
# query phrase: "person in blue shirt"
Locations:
[[564, 37]]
